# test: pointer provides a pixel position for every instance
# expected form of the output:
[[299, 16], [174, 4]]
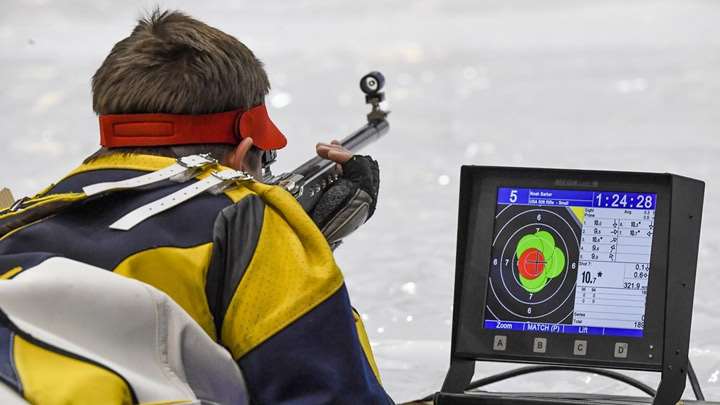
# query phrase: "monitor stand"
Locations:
[[670, 389]]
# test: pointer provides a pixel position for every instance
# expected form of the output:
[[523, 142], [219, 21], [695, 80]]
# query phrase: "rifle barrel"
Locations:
[[309, 180], [356, 141]]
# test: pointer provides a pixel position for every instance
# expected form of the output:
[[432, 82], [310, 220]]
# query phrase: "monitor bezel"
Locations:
[[478, 202]]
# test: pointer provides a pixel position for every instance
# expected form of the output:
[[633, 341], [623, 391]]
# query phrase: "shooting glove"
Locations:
[[350, 201]]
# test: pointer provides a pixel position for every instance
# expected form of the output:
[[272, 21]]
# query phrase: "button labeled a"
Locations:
[[500, 343]]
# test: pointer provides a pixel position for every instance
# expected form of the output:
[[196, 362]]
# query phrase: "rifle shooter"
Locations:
[[309, 180]]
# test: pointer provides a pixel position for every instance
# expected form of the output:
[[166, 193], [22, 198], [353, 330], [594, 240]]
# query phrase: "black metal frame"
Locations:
[[671, 285]]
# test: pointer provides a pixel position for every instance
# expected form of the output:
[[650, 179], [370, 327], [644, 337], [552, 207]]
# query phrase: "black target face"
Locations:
[[533, 269]]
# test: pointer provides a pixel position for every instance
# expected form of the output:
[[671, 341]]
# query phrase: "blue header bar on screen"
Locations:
[[576, 198]]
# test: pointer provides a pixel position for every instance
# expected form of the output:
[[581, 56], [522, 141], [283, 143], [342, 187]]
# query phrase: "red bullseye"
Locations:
[[531, 264]]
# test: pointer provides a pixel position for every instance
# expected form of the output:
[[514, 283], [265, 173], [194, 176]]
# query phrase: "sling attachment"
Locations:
[[17, 204], [181, 171], [215, 183]]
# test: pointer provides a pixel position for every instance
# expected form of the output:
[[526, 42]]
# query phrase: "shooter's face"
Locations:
[[245, 157], [253, 163]]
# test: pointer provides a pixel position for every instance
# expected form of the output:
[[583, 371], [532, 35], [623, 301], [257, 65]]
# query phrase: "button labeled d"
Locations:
[[621, 350]]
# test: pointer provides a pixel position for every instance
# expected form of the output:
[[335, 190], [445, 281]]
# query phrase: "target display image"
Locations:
[[570, 261]]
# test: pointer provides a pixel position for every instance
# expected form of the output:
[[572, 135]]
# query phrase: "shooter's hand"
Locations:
[[351, 200], [333, 151]]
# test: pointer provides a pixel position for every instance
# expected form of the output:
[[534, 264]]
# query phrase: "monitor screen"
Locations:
[[570, 261]]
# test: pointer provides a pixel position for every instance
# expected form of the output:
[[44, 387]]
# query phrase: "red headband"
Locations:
[[119, 130]]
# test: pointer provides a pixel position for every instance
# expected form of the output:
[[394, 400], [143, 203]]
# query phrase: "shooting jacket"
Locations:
[[248, 265]]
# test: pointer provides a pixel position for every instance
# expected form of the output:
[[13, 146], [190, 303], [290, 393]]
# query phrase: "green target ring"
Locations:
[[539, 261]]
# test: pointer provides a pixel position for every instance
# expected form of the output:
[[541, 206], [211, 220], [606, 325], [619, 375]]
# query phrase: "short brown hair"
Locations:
[[173, 63]]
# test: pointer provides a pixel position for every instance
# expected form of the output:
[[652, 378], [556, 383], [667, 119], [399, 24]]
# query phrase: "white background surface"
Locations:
[[611, 85]]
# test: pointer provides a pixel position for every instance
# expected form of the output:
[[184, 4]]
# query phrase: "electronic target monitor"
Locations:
[[571, 267], [570, 261]]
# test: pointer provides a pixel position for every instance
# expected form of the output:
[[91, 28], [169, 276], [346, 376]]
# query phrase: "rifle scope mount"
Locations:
[[372, 84]]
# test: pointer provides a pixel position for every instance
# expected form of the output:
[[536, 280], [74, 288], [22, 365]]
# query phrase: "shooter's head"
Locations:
[[174, 64]]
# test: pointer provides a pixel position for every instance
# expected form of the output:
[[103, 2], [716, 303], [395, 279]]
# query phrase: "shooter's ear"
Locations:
[[236, 159]]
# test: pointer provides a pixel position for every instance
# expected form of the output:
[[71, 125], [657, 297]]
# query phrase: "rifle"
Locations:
[[309, 180]]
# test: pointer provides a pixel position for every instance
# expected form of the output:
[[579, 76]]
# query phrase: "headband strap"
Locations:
[[230, 127]]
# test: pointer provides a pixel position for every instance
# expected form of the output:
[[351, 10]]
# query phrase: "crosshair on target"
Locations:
[[534, 270], [531, 264]]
